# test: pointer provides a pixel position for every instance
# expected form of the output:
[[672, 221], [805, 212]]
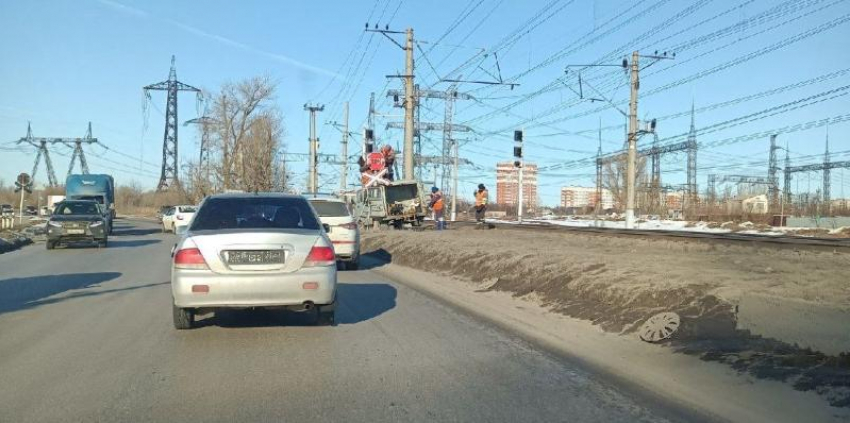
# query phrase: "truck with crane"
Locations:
[[394, 204]]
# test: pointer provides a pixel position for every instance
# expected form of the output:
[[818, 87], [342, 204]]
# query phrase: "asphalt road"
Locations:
[[86, 335]]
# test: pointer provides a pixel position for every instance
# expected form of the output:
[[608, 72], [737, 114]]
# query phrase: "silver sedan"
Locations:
[[254, 251]]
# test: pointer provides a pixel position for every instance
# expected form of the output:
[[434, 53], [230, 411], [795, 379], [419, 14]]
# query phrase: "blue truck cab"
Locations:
[[100, 188]]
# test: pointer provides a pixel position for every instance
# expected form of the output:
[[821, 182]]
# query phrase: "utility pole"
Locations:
[[598, 207], [632, 154], [786, 192], [827, 177], [692, 194], [369, 119], [409, 95], [284, 179], [454, 178], [409, 107], [451, 94], [313, 179], [344, 157], [169, 177]]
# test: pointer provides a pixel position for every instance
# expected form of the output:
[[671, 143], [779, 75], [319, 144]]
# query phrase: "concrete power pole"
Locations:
[[632, 156], [313, 180], [409, 107], [344, 157]]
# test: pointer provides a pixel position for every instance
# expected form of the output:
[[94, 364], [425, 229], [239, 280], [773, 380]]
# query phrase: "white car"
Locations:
[[262, 250], [176, 217], [344, 232]]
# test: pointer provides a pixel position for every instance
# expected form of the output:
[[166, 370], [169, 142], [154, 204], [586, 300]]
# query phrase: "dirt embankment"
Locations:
[[618, 283]]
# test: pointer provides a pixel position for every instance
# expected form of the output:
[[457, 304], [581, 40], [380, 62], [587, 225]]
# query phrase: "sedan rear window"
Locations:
[[254, 213], [187, 209], [330, 208]]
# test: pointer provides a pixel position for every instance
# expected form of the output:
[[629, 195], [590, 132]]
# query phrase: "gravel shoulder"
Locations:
[[772, 314]]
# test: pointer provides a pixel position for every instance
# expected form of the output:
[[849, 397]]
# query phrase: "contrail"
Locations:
[[224, 40]]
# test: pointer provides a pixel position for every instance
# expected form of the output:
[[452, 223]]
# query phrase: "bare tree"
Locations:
[[245, 135], [614, 177]]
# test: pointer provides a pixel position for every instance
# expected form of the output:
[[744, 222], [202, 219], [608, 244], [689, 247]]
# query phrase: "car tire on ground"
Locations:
[[353, 265], [50, 245], [184, 318]]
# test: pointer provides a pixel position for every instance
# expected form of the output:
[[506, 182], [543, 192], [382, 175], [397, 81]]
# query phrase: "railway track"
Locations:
[[736, 238]]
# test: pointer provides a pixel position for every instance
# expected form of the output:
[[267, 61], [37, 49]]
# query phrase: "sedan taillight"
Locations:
[[320, 256], [189, 258], [179, 217], [350, 226]]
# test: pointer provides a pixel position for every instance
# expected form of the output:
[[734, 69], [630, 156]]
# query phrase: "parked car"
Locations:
[[77, 221], [253, 251], [162, 211], [177, 216], [7, 210], [30, 211], [344, 231]]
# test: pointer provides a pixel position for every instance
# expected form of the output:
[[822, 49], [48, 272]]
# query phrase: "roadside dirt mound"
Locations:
[[616, 299], [619, 283]]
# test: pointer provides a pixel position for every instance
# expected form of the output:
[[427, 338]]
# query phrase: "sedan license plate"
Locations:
[[75, 231], [255, 257]]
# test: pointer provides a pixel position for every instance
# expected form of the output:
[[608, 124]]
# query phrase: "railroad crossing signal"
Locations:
[[374, 179], [24, 182]]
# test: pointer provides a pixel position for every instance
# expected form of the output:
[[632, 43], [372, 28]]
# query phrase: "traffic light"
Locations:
[[370, 136], [517, 148]]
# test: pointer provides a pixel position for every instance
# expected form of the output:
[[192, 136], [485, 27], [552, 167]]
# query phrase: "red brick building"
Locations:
[[507, 177]]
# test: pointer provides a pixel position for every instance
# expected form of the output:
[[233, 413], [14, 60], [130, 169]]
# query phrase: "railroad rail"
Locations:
[[738, 238]]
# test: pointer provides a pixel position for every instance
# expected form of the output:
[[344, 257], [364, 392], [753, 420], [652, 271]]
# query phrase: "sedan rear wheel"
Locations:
[[184, 318], [50, 244]]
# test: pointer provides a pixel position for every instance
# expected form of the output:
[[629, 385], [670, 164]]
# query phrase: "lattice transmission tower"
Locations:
[[169, 177]]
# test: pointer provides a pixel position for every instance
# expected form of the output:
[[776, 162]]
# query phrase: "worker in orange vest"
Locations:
[[389, 161], [480, 203], [364, 168], [438, 206]]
